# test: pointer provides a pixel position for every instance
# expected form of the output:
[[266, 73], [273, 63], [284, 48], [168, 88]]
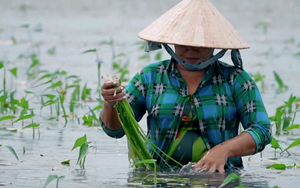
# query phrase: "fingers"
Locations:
[[117, 98], [221, 169], [112, 93], [109, 85], [208, 166], [199, 164]]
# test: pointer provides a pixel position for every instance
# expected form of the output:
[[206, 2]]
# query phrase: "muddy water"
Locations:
[[75, 26]]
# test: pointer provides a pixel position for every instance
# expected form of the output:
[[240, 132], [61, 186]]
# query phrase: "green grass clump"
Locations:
[[137, 140]]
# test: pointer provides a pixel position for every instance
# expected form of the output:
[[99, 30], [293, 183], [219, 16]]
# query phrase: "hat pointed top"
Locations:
[[194, 23]]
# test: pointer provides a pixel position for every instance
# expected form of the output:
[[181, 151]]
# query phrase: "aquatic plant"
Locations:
[[83, 149], [11, 149], [33, 126], [285, 115], [231, 178], [281, 85], [99, 62], [259, 78], [52, 178]]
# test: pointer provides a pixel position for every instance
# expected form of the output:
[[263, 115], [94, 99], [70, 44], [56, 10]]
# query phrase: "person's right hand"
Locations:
[[111, 93]]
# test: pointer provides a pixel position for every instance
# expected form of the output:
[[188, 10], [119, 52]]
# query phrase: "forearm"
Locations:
[[109, 117], [240, 145]]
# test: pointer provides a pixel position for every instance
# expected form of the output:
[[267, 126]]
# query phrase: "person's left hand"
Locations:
[[214, 160]]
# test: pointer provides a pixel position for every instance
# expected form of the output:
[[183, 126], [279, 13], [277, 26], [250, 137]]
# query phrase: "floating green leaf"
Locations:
[[79, 142], [230, 178], [24, 150], [66, 162], [1, 65], [295, 143], [89, 51], [32, 125], [277, 166], [7, 117]]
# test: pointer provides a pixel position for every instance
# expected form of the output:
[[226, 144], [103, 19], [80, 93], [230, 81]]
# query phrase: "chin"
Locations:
[[193, 60]]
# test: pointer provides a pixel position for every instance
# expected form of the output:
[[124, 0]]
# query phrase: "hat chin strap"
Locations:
[[235, 57], [195, 66]]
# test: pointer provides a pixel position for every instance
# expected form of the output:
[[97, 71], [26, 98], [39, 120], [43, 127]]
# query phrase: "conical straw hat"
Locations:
[[194, 23]]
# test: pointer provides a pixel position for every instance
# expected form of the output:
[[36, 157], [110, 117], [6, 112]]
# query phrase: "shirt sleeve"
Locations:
[[112, 133], [136, 95], [251, 109]]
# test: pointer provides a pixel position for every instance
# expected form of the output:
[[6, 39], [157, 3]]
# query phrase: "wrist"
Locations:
[[109, 105], [227, 149]]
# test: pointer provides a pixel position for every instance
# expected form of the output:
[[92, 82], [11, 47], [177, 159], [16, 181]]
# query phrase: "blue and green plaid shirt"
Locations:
[[226, 97]]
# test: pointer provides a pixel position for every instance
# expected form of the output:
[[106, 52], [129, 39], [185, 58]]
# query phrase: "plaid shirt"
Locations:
[[226, 97]]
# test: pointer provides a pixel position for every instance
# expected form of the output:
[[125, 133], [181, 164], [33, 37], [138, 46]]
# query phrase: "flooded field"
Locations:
[[39, 40]]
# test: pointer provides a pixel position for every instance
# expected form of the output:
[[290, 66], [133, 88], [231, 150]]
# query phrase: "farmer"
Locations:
[[194, 101]]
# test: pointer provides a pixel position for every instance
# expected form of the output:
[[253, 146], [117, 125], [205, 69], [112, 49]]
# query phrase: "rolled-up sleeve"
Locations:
[[112, 133], [251, 109]]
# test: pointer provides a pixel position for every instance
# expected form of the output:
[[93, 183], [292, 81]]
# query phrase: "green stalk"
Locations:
[[61, 99], [83, 161], [135, 135], [4, 91], [57, 110]]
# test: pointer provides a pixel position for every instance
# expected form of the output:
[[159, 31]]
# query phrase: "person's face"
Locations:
[[193, 54]]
